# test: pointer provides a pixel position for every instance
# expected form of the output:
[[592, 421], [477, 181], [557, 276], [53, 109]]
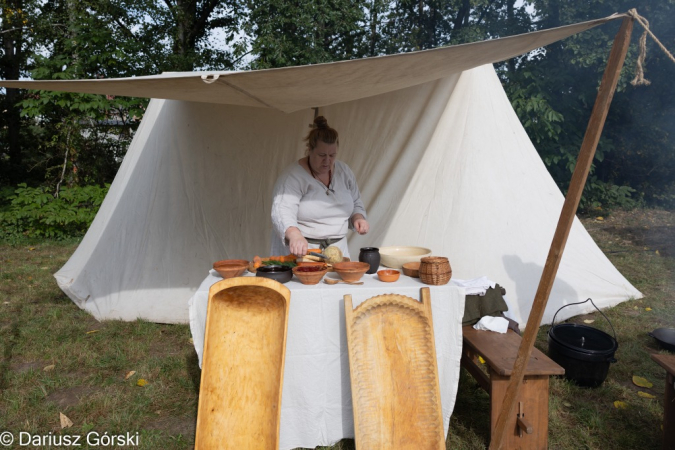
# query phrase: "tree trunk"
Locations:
[[10, 68], [510, 24]]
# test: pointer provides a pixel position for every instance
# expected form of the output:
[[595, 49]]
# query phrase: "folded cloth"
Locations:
[[490, 304], [489, 323], [475, 286]]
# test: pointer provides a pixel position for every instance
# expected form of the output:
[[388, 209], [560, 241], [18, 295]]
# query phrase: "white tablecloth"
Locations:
[[316, 405]]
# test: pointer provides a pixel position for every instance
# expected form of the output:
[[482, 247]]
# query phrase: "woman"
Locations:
[[316, 199]]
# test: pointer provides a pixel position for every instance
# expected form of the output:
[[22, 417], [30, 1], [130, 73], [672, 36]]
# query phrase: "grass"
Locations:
[[40, 327]]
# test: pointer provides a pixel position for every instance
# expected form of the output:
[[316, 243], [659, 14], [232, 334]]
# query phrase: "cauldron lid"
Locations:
[[583, 339]]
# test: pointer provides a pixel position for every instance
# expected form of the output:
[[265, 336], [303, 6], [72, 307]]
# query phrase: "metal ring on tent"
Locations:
[[210, 78]]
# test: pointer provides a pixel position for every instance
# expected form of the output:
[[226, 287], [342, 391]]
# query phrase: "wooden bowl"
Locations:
[[351, 271], [310, 274], [395, 257], [230, 268], [412, 269], [388, 275]]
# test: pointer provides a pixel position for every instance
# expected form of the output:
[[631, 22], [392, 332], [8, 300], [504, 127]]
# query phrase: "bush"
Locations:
[[36, 213], [601, 195]]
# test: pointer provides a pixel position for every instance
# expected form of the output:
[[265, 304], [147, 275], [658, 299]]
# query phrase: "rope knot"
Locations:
[[640, 79]]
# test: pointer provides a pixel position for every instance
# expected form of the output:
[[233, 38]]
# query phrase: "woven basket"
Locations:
[[435, 270]]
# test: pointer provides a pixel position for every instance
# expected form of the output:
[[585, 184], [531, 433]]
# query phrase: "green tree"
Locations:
[[286, 33], [553, 91], [17, 18]]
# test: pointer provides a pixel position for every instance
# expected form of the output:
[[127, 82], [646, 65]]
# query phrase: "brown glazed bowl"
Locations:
[[351, 271], [230, 268], [310, 274], [388, 275]]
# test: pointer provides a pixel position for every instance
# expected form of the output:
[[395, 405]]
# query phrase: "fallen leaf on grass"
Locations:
[[129, 374], [599, 218], [648, 309], [657, 252], [620, 405], [141, 382], [65, 421], [5, 303], [635, 307], [49, 367], [645, 395], [92, 331], [642, 382], [30, 249], [192, 341], [568, 404], [589, 320]]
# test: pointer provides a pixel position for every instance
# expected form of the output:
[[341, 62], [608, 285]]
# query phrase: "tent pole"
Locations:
[[586, 154]]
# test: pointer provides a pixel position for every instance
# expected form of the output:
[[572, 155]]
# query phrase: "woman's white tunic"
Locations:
[[300, 200]]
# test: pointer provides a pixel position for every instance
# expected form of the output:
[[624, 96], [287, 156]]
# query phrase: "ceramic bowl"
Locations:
[[412, 269], [388, 275], [351, 271], [395, 257], [230, 268], [310, 274], [282, 274]]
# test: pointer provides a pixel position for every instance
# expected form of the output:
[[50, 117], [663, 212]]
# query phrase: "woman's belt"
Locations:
[[323, 243]]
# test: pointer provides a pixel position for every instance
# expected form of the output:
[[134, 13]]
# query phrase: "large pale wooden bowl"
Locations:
[[396, 256], [351, 271]]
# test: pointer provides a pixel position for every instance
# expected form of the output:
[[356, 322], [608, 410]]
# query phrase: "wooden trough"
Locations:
[[393, 371], [243, 365]]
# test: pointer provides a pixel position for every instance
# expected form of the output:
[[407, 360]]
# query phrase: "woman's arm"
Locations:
[[360, 223], [296, 241], [357, 220], [285, 204]]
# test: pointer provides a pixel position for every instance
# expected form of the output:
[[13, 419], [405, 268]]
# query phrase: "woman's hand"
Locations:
[[360, 224], [296, 242]]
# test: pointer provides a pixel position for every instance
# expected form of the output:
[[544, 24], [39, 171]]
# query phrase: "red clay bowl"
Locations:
[[230, 268], [311, 264], [388, 276], [351, 271], [310, 274]]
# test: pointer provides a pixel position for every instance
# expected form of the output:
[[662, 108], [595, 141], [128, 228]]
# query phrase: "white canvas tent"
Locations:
[[441, 158]]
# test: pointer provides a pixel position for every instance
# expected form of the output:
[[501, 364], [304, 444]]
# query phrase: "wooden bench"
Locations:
[[530, 423], [668, 363]]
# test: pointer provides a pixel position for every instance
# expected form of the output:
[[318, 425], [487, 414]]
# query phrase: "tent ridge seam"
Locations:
[[238, 89]]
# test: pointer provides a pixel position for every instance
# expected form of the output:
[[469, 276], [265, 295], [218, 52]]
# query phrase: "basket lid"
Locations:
[[583, 339], [434, 259]]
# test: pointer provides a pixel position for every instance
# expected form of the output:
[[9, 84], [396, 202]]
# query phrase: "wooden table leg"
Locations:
[[534, 399], [669, 414]]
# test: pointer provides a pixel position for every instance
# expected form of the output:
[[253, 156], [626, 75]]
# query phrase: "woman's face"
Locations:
[[323, 157]]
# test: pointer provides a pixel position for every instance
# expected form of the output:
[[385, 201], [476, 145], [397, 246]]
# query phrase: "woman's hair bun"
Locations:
[[320, 122]]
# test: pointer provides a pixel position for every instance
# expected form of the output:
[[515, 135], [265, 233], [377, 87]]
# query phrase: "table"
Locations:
[[668, 363], [316, 405]]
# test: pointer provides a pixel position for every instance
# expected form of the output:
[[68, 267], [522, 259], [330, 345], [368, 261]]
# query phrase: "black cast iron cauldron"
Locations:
[[665, 337], [585, 352]]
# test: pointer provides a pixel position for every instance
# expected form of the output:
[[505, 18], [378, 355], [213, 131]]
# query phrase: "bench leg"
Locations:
[[534, 399]]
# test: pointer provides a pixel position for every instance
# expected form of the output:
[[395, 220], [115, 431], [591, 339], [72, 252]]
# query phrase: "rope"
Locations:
[[639, 71]]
